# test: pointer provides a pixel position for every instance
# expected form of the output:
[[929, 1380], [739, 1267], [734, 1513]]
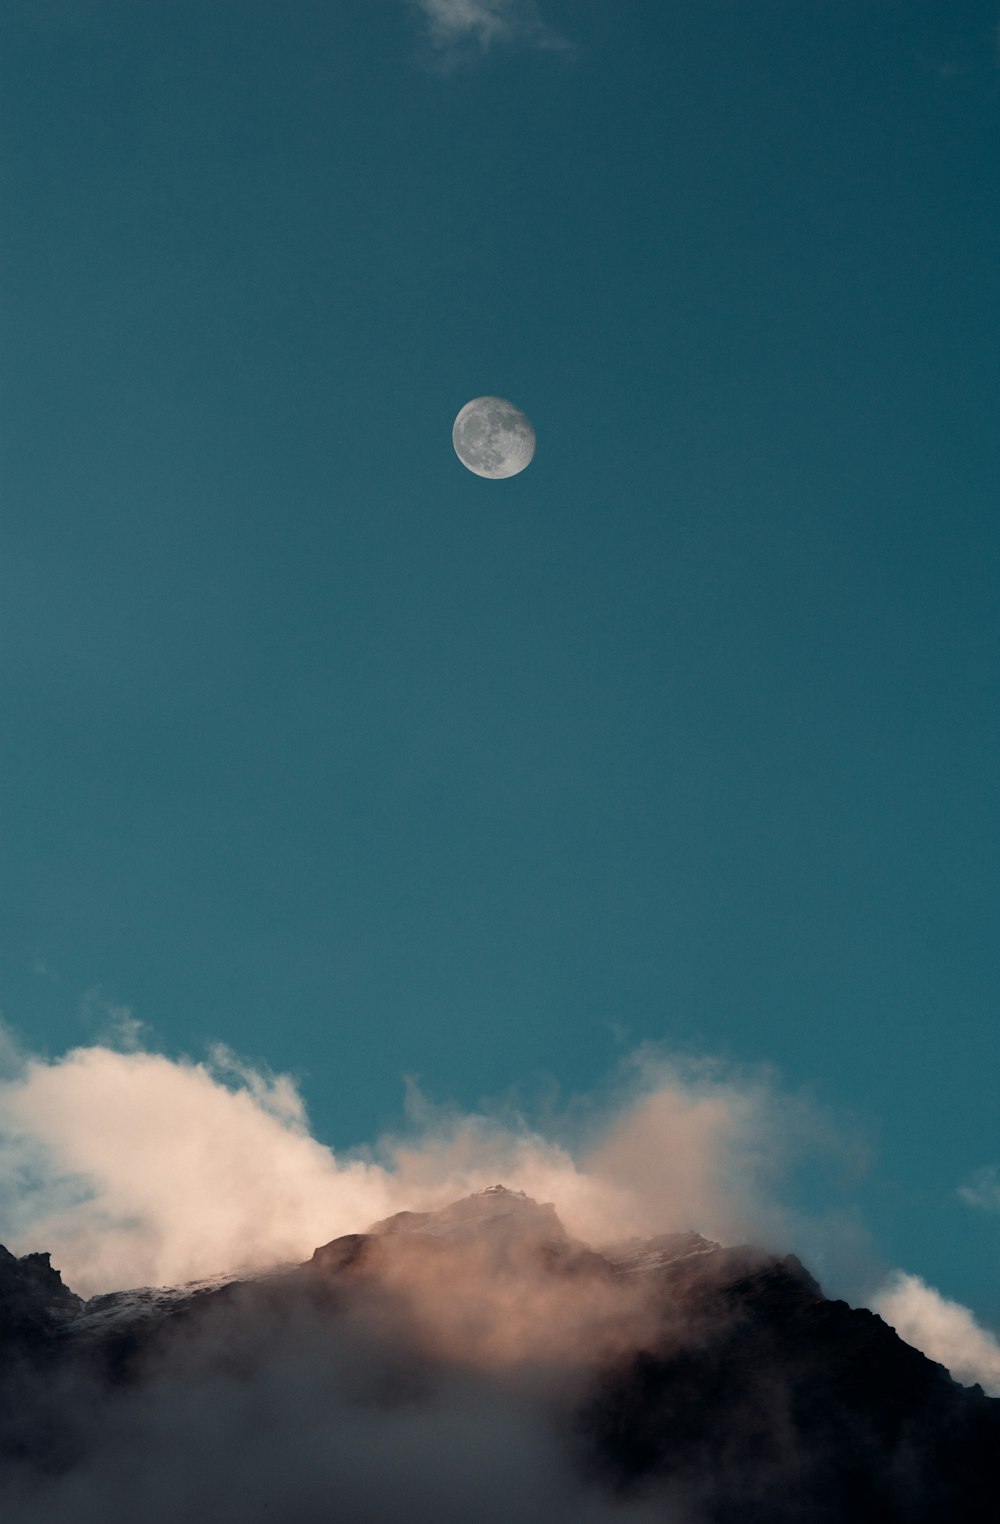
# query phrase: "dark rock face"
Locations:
[[34, 1304], [741, 1395], [788, 1407]]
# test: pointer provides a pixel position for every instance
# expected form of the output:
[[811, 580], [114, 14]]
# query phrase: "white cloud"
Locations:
[[135, 1169], [982, 1189], [945, 1330], [482, 24]]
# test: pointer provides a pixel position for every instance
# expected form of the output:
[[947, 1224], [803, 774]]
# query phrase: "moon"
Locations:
[[493, 438]]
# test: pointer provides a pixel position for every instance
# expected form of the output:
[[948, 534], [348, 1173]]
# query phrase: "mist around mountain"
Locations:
[[478, 1362]]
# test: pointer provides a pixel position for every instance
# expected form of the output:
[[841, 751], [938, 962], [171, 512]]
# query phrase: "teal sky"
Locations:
[[318, 745]]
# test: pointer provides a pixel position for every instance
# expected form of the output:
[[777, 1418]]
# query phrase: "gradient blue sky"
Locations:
[[318, 745]]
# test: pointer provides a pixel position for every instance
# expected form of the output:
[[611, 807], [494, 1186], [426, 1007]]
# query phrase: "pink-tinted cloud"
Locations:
[[134, 1168]]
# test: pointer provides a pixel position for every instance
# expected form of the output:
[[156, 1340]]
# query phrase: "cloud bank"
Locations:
[[134, 1168]]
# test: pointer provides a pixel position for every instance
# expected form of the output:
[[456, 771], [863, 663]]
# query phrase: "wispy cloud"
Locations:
[[464, 26], [982, 1189]]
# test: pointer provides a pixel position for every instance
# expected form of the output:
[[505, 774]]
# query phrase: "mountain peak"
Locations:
[[34, 1303], [495, 1211]]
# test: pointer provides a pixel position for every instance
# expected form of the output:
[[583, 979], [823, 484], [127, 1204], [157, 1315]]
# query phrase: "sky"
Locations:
[[687, 739]]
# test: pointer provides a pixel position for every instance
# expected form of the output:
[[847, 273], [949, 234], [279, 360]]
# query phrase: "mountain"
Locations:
[[668, 1379]]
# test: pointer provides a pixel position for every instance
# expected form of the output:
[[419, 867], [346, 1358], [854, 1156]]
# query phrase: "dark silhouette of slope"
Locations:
[[789, 1407], [34, 1304]]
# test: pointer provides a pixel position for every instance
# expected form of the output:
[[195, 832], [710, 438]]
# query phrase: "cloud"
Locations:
[[479, 25], [137, 1169], [982, 1189], [134, 1168], [674, 1143], [944, 1330]]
